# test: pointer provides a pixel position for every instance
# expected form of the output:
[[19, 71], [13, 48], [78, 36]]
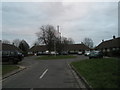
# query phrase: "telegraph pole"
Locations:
[[55, 46], [58, 29]]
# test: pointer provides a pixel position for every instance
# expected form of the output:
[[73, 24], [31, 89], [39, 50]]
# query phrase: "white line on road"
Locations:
[[43, 73]]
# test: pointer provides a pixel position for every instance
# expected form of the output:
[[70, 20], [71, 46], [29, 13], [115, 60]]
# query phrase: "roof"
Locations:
[[109, 43], [38, 48], [68, 47], [10, 47], [77, 47]]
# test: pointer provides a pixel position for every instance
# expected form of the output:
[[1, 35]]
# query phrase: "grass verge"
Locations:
[[8, 68], [100, 73], [55, 57]]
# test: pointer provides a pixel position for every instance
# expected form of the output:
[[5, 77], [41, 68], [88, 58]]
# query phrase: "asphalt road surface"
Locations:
[[44, 74]]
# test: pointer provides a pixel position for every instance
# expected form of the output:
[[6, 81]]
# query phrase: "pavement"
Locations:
[[45, 74], [13, 72]]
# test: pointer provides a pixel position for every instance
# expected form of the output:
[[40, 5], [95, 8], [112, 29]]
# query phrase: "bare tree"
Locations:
[[88, 42], [36, 43], [51, 37], [16, 42], [70, 41], [47, 35], [6, 41], [64, 42]]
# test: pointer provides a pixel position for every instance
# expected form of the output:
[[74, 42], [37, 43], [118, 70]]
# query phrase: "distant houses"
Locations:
[[76, 47], [110, 47], [71, 48], [36, 49]]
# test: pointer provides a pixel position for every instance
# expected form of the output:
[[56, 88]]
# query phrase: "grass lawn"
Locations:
[[100, 73], [8, 68], [48, 57]]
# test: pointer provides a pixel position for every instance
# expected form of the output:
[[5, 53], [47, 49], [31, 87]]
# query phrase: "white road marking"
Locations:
[[43, 73]]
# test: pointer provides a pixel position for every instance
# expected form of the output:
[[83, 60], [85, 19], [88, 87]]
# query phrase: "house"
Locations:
[[9, 47], [35, 49], [68, 48], [76, 47], [110, 47]]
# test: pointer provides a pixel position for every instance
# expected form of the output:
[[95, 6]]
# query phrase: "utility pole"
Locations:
[[55, 39], [55, 46], [59, 36], [58, 29]]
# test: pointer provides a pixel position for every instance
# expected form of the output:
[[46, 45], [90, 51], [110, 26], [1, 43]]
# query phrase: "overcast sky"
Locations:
[[77, 20]]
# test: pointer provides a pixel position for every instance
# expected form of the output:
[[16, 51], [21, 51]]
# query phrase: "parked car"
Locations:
[[53, 53], [87, 53], [95, 54], [12, 56], [72, 52], [64, 53], [46, 53], [80, 53], [39, 53]]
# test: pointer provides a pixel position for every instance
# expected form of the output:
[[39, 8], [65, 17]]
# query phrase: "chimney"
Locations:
[[114, 37]]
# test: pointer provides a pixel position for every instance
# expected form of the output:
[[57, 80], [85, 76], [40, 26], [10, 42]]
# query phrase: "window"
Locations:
[[4, 53]]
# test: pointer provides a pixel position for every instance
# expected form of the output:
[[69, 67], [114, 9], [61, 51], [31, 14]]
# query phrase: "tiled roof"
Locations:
[[10, 47], [109, 43], [77, 47], [68, 47], [38, 48]]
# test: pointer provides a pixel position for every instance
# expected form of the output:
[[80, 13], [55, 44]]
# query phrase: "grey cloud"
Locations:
[[76, 20]]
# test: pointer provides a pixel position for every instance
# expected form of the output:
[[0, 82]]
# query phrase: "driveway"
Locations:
[[44, 74]]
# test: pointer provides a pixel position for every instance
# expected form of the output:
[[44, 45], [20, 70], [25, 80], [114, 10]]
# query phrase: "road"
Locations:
[[44, 74]]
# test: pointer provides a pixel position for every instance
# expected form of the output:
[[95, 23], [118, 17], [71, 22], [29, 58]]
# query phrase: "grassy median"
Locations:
[[8, 68], [100, 73], [49, 57]]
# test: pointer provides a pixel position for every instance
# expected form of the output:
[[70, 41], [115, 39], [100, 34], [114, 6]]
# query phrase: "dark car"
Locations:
[[39, 53], [95, 54], [12, 56]]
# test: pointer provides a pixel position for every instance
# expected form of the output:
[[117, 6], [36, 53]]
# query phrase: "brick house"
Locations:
[[110, 47]]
